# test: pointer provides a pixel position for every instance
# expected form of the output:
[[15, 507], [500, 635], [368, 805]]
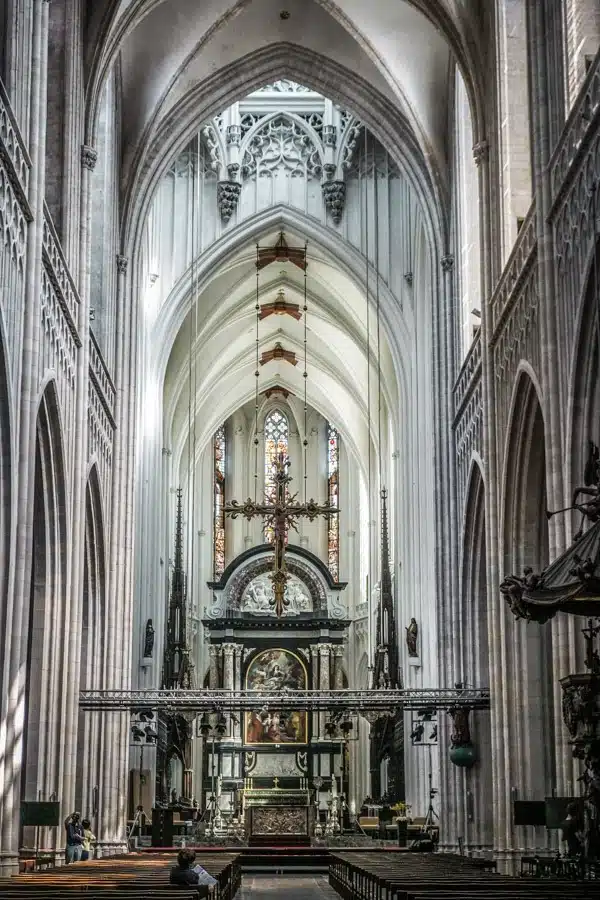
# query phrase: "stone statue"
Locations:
[[412, 633], [416, 734], [149, 640], [461, 734]]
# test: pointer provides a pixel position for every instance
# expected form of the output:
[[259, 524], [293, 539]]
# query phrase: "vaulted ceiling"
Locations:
[[219, 336], [403, 50]]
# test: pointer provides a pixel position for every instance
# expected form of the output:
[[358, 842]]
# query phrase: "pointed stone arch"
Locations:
[[475, 813], [45, 741], [528, 748], [90, 736]]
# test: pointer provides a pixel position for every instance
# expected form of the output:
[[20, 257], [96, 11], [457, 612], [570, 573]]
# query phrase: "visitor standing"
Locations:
[[88, 840], [75, 838]]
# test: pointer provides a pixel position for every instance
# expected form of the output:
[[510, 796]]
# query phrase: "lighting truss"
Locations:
[[200, 701]]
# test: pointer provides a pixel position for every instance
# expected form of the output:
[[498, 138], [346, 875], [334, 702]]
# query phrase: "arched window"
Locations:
[[333, 497], [276, 442], [219, 449]]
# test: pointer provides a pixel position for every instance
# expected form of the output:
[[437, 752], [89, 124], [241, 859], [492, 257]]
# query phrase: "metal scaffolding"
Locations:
[[200, 701]]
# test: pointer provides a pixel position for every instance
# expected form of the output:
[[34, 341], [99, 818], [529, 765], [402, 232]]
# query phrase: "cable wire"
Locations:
[[305, 443], [256, 375]]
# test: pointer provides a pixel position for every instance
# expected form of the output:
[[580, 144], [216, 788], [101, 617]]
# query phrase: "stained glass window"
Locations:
[[333, 497], [219, 448], [276, 442]]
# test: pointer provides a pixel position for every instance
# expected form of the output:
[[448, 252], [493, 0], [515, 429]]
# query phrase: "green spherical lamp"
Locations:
[[463, 756]]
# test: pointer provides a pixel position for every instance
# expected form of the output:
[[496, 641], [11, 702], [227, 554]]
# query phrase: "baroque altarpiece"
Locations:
[[275, 769]]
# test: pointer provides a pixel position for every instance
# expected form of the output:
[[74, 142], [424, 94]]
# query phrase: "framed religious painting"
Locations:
[[276, 670]]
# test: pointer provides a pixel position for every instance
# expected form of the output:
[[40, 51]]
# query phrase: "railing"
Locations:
[[578, 130], [468, 377], [14, 153], [215, 700], [58, 273], [100, 377], [515, 271]]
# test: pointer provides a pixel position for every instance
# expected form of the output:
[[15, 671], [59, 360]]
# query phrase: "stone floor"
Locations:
[[293, 887]]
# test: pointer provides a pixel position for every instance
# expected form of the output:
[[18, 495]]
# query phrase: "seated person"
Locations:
[[185, 873]]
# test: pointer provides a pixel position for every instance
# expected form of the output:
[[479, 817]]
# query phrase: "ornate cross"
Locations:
[[281, 513]]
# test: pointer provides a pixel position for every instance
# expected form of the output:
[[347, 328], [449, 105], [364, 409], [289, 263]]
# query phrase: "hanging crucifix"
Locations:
[[280, 514]]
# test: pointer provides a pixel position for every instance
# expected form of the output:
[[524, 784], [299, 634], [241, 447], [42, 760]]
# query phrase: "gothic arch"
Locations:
[[108, 31], [474, 580], [524, 527], [245, 75], [93, 625], [524, 542], [476, 825], [46, 653], [584, 393]]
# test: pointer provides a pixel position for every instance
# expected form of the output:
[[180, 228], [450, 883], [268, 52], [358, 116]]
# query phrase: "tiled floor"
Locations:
[[292, 887]]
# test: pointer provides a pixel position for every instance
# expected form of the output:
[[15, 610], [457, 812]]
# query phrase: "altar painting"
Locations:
[[276, 670]]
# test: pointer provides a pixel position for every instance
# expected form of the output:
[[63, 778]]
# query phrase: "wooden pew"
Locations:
[[131, 877], [383, 876]]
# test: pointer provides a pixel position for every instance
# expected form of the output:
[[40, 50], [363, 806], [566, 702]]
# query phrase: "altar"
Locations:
[[278, 816]]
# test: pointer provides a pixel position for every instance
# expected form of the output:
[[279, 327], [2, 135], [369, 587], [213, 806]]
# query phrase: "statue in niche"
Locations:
[[412, 633], [149, 640]]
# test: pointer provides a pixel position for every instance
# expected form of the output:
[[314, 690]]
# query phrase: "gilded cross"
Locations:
[[276, 782], [280, 514]]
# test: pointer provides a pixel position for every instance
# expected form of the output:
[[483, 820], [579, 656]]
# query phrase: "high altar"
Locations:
[[262, 770]]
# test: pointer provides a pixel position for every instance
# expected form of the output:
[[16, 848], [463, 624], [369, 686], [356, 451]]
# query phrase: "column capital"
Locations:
[[325, 649], [339, 650], [122, 263], [229, 649], [481, 152], [447, 262], [214, 650], [89, 156]]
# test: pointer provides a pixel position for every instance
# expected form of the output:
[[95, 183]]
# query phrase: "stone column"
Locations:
[[314, 655], [15, 635], [237, 729], [213, 672], [338, 671], [113, 807], [565, 634], [69, 736], [324, 681], [228, 676], [228, 666]]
